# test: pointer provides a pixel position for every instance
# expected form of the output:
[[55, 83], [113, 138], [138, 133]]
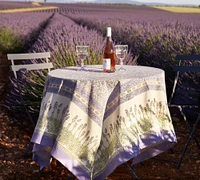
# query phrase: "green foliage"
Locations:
[[66, 56], [94, 58], [63, 56], [9, 41]]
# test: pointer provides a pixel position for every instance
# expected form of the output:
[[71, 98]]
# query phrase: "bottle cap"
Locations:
[[108, 31]]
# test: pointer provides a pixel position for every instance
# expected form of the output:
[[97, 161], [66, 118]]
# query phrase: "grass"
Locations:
[[10, 41], [178, 9]]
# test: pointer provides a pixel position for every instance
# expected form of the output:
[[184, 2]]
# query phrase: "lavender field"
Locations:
[[154, 36], [6, 5]]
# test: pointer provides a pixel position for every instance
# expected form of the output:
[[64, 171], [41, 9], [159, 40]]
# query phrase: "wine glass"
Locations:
[[82, 53], [121, 52]]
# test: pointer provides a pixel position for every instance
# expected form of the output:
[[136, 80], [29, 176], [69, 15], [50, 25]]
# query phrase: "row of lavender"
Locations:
[[60, 38], [13, 4], [154, 35], [26, 26]]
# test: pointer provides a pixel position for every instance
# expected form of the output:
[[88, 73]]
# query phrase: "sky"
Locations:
[[189, 2], [195, 2]]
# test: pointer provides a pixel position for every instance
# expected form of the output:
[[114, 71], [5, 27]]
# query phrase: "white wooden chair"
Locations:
[[185, 65], [41, 62], [28, 56]]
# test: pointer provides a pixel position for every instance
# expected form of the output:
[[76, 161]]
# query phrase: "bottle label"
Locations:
[[106, 63]]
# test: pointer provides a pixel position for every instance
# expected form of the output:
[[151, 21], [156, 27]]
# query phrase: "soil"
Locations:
[[15, 137]]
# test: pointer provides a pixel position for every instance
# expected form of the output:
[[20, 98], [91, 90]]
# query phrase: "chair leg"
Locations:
[[26, 152], [70, 176], [171, 150], [189, 127], [22, 100], [188, 141], [132, 172], [29, 116]]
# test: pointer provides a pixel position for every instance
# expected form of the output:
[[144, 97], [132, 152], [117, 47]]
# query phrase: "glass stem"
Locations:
[[121, 62], [82, 63]]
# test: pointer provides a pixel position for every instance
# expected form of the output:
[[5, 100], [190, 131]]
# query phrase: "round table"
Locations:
[[92, 121]]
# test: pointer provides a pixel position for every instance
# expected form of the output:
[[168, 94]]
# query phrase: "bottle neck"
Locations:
[[109, 38], [109, 44]]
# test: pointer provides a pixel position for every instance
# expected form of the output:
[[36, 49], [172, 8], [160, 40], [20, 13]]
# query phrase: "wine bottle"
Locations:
[[109, 56]]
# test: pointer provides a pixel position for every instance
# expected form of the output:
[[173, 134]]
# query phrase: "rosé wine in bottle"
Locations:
[[109, 56]]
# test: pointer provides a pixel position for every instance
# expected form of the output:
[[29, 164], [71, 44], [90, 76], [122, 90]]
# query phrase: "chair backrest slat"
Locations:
[[188, 57], [182, 67], [187, 68], [23, 56], [29, 56], [32, 66]]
